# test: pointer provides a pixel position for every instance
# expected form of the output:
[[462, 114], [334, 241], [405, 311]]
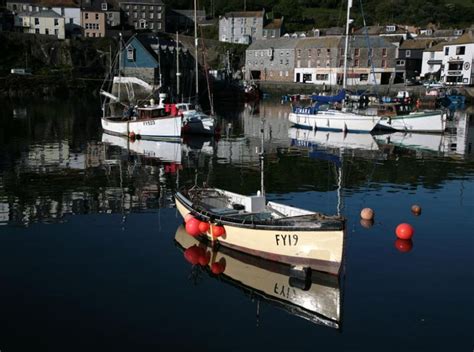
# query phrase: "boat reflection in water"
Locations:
[[316, 298], [329, 139], [165, 151]]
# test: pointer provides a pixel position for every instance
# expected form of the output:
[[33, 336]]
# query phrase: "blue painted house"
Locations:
[[148, 57]]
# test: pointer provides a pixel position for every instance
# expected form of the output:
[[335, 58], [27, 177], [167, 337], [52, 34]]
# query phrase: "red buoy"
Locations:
[[404, 246], [192, 227], [404, 231], [131, 135], [217, 268], [188, 217], [218, 230], [204, 226]]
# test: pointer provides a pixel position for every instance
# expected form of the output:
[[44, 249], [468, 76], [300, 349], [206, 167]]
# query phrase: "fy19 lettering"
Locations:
[[286, 239]]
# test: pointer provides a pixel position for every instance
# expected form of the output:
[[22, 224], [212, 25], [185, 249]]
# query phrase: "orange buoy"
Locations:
[[192, 227], [403, 246], [204, 226], [367, 214], [188, 217], [404, 231], [218, 230], [217, 268], [366, 223], [416, 209]]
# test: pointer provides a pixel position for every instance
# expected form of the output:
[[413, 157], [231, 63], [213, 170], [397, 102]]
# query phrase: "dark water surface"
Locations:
[[91, 253]]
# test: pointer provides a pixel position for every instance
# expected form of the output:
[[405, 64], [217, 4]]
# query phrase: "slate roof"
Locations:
[[466, 38], [319, 42], [245, 14], [277, 43], [417, 44]]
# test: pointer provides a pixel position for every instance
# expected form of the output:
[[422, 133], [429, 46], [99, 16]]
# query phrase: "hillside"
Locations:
[[306, 14]]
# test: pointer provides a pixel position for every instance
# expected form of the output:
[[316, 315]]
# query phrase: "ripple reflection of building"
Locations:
[[50, 181]]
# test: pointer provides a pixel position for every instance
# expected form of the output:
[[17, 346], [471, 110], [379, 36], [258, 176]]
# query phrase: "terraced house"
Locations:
[[271, 60], [144, 14]]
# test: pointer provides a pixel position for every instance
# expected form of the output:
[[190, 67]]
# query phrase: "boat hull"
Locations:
[[335, 120], [321, 250], [202, 125], [415, 122], [160, 128]]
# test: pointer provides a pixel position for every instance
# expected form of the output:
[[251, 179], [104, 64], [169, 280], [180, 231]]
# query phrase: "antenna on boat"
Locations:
[[262, 158], [178, 74], [346, 45], [120, 64]]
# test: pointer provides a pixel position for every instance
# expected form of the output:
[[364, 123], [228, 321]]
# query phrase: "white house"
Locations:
[[41, 22], [432, 62], [458, 60]]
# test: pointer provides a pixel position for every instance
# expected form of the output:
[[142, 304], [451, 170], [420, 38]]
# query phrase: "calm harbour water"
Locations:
[[90, 243]]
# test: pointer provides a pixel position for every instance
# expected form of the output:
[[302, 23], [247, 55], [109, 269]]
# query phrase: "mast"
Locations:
[[346, 46], [120, 64], [178, 74], [262, 158], [196, 41]]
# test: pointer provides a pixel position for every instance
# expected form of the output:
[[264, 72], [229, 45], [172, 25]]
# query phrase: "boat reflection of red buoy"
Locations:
[[404, 246], [367, 214], [193, 254], [218, 268], [188, 217], [404, 231], [205, 258], [416, 209]]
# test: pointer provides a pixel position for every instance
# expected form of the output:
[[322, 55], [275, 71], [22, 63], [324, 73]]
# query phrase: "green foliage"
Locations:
[[305, 14]]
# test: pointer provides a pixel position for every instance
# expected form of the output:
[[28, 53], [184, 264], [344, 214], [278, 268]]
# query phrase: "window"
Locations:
[[71, 21], [287, 62], [446, 51], [143, 14], [341, 51], [356, 63], [96, 16], [298, 52], [142, 24], [384, 51], [286, 73], [309, 63], [281, 73], [400, 62], [37, 21], [143, 7], [86, 15], [298, 63], [127, 7], [328, 63], [158, 16], [318, 52], [152, 15], [328, 51], [56, 22], [460, 50], [93, 34], [56, 32], [390, 28], [104, 6], [135, 7], [363, 77], [309, 52], [46, 31], [318, 63], [384, 63], [151, 8], [130, 53], [408, 53], [158, 25], [356, 52], [135, 15], [321, 77], [341, 62]]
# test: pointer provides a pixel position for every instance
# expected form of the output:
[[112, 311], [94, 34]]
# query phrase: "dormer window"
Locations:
[[429, 32], [104, 6], [458, 32], [130, 53], [390, 28]]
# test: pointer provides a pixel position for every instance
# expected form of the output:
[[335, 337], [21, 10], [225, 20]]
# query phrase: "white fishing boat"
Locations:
[[196, 121], [262, 228], [316, 298], [419, 121], [347, 118]]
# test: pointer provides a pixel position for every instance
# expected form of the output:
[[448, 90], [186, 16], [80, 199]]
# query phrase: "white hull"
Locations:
[[159, 128], [321, 250], [320, 302], [434, 121], [162, 150], [198, 123], [305, 138], [335, 120]]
